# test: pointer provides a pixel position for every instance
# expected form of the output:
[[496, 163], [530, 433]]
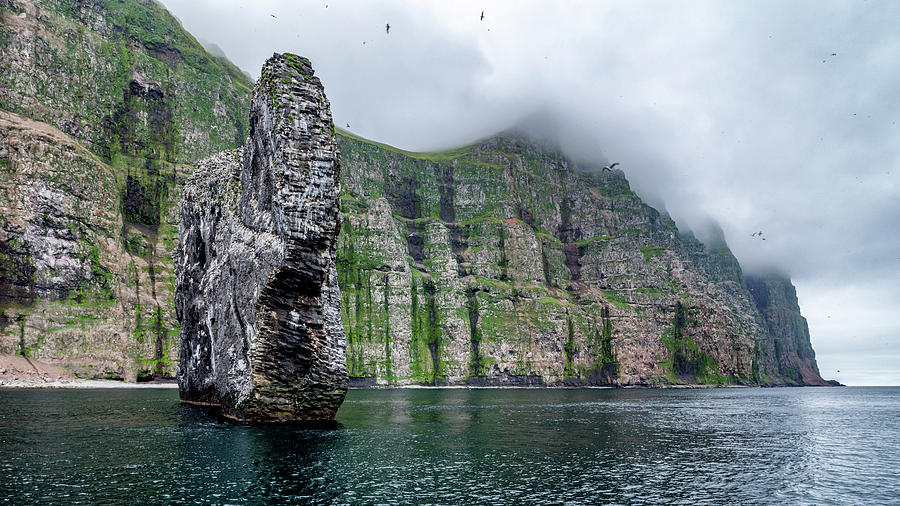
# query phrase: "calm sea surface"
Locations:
[[801, 445]]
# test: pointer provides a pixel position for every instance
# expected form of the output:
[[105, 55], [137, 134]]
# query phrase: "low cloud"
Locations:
[[764, 116]]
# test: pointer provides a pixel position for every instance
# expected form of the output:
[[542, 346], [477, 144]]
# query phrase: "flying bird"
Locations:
[[274, 16], [348, 125], [609, 168], [482, 15], [387, 28]]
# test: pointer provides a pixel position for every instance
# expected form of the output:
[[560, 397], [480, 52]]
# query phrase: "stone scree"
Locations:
[[257, 292]]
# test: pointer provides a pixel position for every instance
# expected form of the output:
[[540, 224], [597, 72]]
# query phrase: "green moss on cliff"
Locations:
[[434, 156], [684, 357], [426, 335], [534, 256], [128, 82], [651, 251]]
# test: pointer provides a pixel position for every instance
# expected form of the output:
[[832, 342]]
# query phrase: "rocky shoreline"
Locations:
[[17, 371], [84, 384]]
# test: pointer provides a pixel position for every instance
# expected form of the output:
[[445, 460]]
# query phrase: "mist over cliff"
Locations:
[[148, 108], [765, 116]]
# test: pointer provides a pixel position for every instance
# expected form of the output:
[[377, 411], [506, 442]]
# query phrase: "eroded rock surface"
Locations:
[[776, 299], [506, 263], [102, 107], [257, 290]]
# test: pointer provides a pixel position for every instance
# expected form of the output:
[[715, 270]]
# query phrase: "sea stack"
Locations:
[[256, 286]]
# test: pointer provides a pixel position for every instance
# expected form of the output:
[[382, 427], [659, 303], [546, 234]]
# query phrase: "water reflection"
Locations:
[[291, 464], [268, 463], [459, 446]]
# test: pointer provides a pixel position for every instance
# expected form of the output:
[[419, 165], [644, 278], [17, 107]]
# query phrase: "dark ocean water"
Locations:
[[723, 446]]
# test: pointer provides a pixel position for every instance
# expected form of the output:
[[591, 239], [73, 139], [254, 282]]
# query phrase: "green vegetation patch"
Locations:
[[616, 299], [651, 251], [433, 156], [684, 357]]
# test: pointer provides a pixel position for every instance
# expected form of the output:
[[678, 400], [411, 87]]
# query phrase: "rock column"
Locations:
[[257, 292]]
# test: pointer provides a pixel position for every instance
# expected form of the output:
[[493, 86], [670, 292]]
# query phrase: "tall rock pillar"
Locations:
[[257, 292]]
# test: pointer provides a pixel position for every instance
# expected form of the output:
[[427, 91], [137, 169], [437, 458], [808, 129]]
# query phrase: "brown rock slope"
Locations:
[[68, 287], [87, 232]]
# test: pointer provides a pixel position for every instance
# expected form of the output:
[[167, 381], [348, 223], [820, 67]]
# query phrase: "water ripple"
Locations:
[[815, 445]]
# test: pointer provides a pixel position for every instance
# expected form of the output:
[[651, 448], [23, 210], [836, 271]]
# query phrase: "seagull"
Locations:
[[609, 168], [274, 16], [482, 15], [387, 28]]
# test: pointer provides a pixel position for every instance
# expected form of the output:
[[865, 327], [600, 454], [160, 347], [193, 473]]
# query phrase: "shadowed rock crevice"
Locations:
[[404, 195], [459, 237], [257, 289], [144, 103], [568, 235], [434, 333], [776, 299], [476, 368], [610, 368], [525, 270]]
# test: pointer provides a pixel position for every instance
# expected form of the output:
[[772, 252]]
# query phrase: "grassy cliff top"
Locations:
[[434, 156], [149, 23]]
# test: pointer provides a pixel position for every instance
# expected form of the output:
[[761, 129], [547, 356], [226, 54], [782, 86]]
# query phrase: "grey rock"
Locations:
[[789, 345], [504, 263], [257, 291]]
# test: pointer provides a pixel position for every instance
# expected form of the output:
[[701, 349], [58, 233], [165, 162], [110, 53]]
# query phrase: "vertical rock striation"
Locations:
[[102, 105], [506, 263], [776, 299], [257, 290]]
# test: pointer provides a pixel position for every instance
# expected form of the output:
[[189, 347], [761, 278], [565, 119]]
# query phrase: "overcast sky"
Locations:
[[778, 116]]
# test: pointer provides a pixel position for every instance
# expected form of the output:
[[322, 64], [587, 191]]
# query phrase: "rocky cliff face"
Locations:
[[776, 299], [257, 291], [61, 251], [121, 76], [504, 263], [498, 263], [107, 102]]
